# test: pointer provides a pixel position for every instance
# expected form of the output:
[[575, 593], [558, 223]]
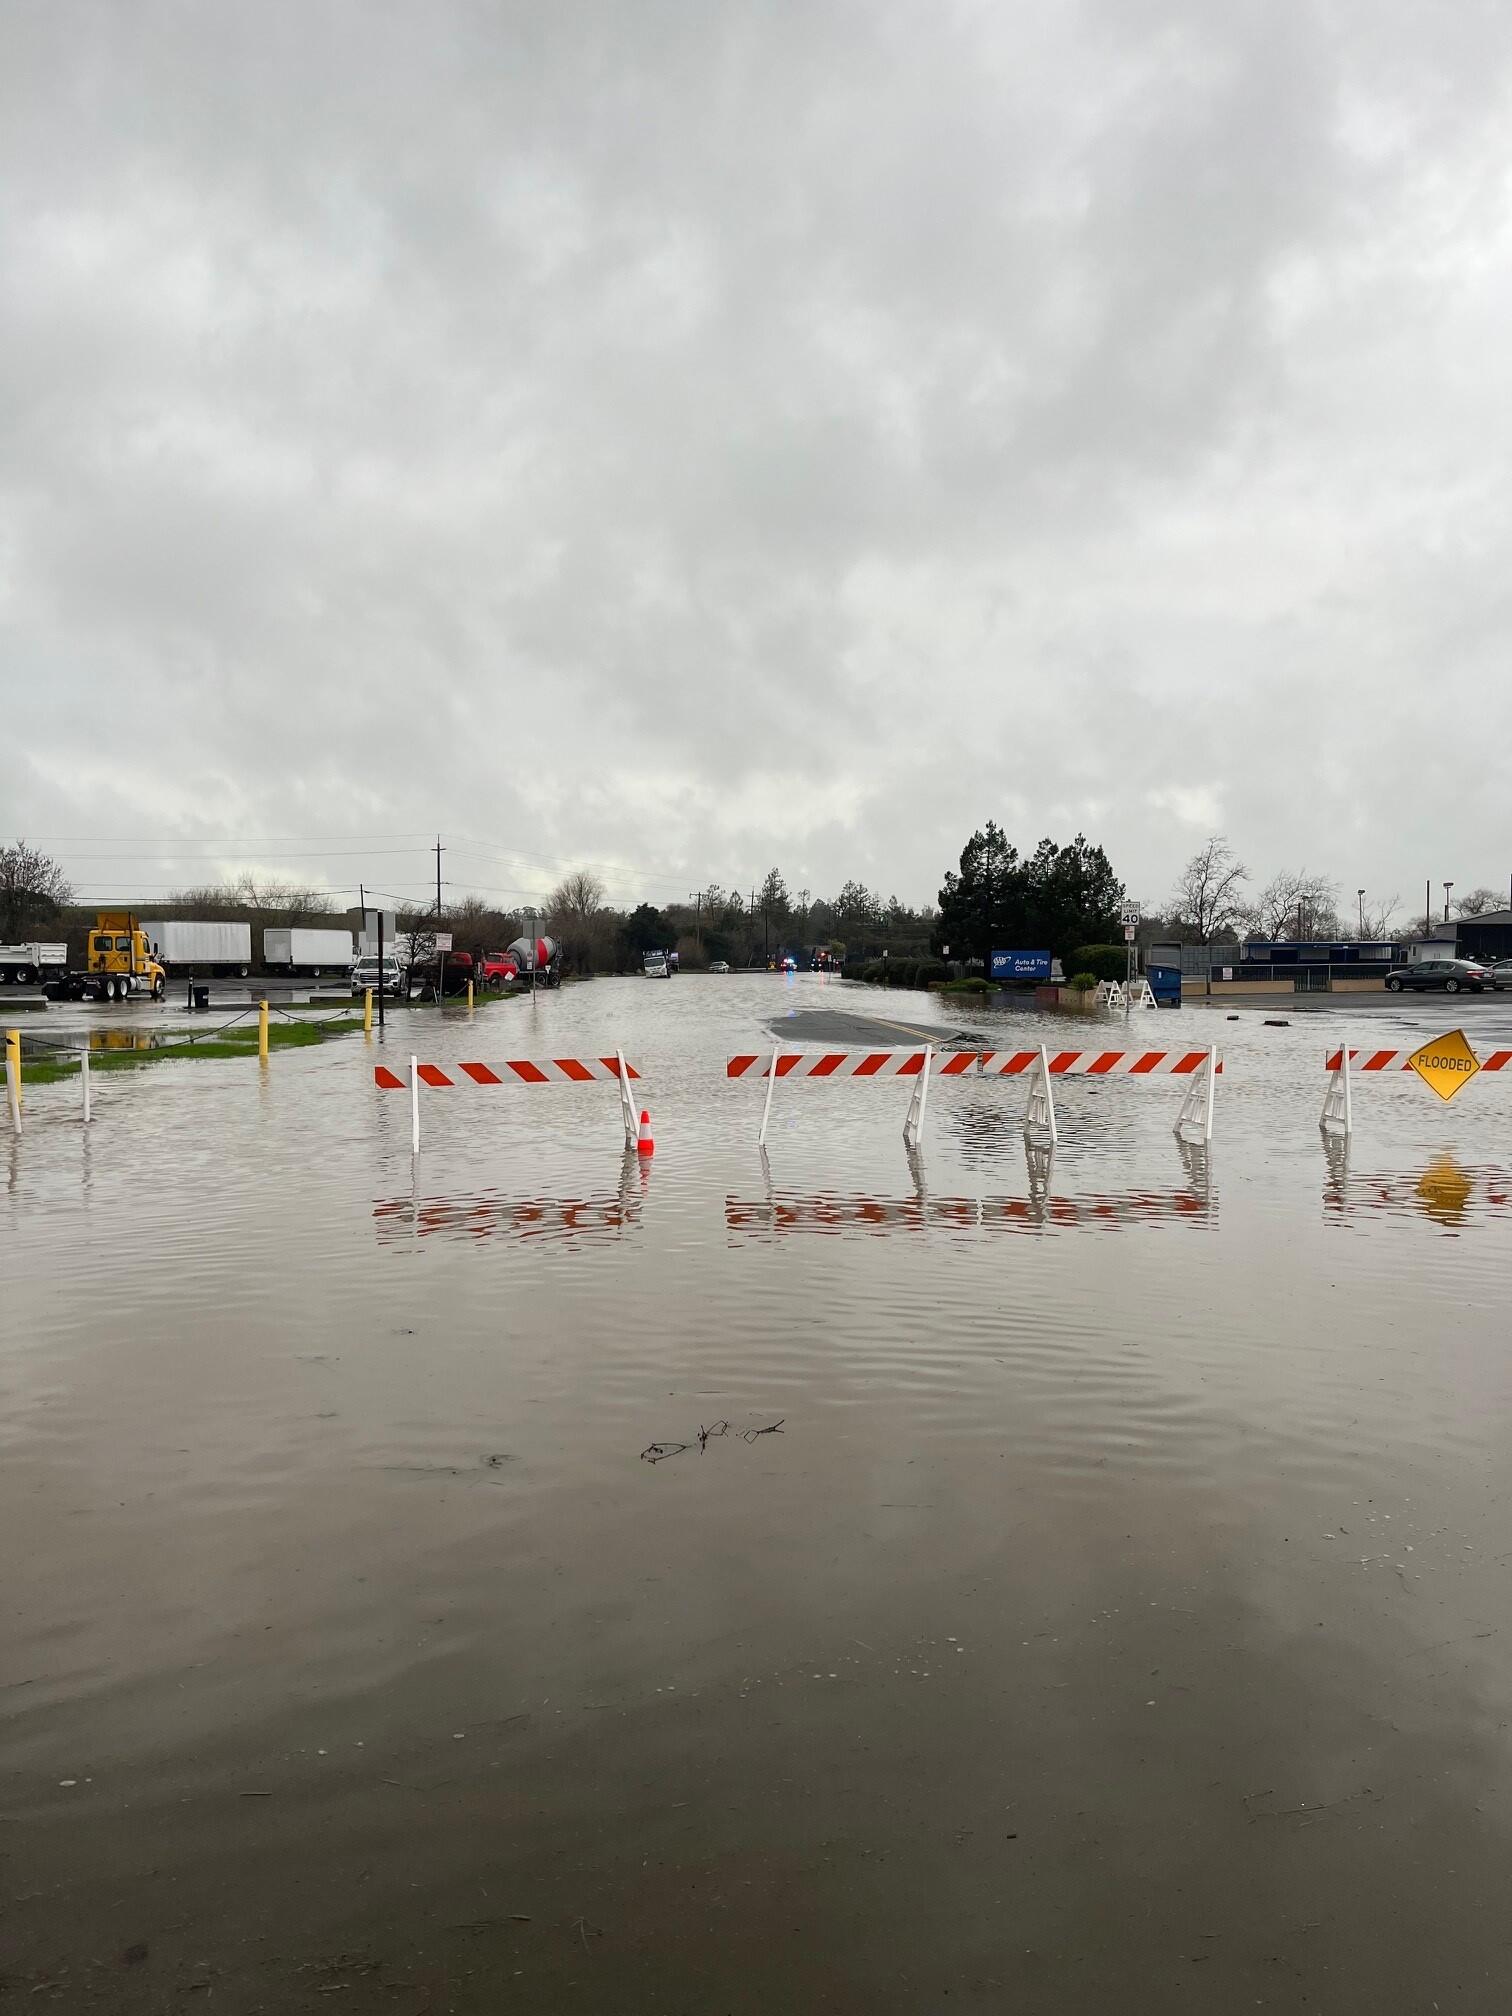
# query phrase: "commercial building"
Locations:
[[1263, 966], [1488, 937]]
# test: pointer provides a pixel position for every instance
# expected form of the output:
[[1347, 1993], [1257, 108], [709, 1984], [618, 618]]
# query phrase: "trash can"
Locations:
[[202, 1000]]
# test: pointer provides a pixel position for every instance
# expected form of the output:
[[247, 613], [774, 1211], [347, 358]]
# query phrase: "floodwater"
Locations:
[[1090, 1593]]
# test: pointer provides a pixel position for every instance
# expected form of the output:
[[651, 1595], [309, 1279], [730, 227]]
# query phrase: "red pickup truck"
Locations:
[[499, 969]]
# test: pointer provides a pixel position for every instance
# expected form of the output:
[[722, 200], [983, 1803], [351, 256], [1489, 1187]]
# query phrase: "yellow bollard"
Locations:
[[469, 997], [13, 1058], [262, 1031], [367, 1011]]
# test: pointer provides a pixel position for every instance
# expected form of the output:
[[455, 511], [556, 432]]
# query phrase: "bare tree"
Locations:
[[273, 900], [579, 896], [1209, 893], [33, 889], [1295, 904], [1375, 919], [1478, 901]]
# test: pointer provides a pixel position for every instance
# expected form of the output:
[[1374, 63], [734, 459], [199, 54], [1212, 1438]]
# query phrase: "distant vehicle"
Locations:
[[119, 962], [543, 955], [719, 965], [25, 965], [655, 966], [201, 948], [1453, 975], [499, 969], [385, 975], [313, 951]]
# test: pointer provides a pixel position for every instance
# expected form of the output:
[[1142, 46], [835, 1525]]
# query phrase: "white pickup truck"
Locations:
[[25, 965]]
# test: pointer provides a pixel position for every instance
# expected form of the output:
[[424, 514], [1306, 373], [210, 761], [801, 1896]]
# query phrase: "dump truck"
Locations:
[[187, 947], [118, 962], [25, 965]]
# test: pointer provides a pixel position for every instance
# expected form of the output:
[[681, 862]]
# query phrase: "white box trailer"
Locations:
[[187, 947], [312, 951]]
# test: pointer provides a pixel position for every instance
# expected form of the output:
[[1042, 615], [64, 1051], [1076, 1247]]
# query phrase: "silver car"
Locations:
[[1501, 974]]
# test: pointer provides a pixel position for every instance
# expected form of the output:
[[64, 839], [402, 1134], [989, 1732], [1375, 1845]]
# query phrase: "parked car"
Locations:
[[500, 969], [1453, 975], [1501, 974], [386, 976], [723, 966], [655, 966]]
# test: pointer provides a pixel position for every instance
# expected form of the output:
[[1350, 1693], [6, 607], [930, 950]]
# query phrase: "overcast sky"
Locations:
[[689, 435]]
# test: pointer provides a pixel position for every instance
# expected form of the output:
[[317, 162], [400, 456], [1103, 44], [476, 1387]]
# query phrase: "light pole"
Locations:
[[1447, 887], [530, 914], [1361, 895]]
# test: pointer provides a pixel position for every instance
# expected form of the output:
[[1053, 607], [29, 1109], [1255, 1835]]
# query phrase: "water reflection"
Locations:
[[780, 1212], [1447, 1191], [491, 1214]]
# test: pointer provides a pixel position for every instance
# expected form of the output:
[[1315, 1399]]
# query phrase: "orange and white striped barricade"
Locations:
[[1448, 1059], [787, 1212], [1199, 1067], [515, 1071]]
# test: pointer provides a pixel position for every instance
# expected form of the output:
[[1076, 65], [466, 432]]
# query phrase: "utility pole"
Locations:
[[1447, 887], [1361, 894], [437, 850]]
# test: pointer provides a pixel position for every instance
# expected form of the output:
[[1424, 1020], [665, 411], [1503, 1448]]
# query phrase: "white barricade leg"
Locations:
[[1338, 1102], [1040, 1111], [913, 1126], [766, 1111], [627, 1101], [1197, 1105], [414, 1105]]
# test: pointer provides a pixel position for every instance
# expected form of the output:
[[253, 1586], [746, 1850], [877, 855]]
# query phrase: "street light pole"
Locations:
[[1362, 912], [1447, 887]]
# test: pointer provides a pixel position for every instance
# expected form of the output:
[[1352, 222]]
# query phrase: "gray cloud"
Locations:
[[692, 437]]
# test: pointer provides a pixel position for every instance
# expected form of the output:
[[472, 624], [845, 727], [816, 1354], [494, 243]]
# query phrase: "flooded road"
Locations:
[[1087, 1593]]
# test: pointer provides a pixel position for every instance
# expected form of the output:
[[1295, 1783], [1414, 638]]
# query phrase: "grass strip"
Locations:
[[241, 1043]]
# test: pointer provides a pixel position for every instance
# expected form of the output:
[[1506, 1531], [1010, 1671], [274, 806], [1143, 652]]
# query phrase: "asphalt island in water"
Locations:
[[532, 1577]]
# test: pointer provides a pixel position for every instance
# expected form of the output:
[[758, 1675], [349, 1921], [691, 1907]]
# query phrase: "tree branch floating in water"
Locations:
[[658, 1452]]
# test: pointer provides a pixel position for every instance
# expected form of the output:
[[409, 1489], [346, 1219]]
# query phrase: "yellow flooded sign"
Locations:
[[1447, 1063]]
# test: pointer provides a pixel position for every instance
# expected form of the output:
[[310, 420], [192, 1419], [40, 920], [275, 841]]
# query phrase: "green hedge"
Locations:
[[899, 972], [1103, 962]]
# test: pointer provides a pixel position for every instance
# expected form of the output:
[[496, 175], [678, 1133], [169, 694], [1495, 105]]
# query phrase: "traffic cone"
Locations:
[[644, 1145]]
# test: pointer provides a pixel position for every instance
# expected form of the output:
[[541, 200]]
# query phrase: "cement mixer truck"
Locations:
[[539, 961]]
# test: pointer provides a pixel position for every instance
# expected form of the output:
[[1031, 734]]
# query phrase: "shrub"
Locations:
[[1103, 962], [1082, 982]]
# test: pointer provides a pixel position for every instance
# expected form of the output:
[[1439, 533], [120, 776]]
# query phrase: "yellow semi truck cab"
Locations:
[[118, 950]]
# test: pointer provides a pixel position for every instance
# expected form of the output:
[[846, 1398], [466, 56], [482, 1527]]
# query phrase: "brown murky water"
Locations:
[[1115, 1617]]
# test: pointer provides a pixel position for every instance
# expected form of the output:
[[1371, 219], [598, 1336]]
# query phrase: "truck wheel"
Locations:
[[157, 988], [26, 976]]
